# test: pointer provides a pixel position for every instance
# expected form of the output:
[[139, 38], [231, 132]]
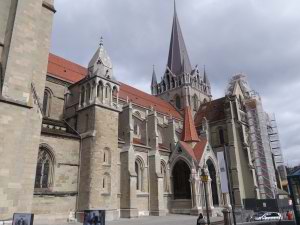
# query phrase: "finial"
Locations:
[[175, 6], [101, 41]]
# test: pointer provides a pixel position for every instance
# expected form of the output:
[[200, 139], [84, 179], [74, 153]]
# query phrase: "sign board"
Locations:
[[94, 217], [223, 172], [22, 219]]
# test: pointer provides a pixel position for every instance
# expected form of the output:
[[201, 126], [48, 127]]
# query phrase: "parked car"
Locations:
[[265, 216]]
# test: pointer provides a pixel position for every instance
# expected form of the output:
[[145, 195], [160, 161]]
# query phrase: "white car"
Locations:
[[265, 216]]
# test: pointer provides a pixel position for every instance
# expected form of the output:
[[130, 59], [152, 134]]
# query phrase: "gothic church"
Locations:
[[75, 138]]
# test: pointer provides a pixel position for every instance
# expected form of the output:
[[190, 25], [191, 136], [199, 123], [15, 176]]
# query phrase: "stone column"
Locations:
[[196, 195]]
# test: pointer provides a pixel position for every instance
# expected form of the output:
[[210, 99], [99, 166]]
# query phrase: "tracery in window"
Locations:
[[44, 169]]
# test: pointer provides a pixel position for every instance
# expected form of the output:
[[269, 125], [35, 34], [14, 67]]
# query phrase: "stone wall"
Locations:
[[24, 63]]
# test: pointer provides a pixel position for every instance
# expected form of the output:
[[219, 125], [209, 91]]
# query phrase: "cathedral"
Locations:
[[76, 138]]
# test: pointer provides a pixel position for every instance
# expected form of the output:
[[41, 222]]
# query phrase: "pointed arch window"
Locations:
[[221, 136], [108, 93], [47, 103], [106, 183], [44, 169], [163, 171], [139, 174], [82, 96], [88, 94], [100, 91]]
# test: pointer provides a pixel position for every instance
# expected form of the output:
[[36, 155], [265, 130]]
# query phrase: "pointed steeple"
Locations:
[[154, 83], [178, 60], [154, 79], [205, 79], [189, 133]]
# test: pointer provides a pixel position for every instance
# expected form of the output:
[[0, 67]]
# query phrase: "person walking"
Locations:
[[201, 220]]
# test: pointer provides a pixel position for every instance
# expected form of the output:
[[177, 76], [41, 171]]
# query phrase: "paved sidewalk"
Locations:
[[171, 219], [161, 220]]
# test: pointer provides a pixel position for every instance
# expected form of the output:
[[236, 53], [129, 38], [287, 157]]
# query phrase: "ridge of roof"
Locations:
[[189, 133], [69, 71]]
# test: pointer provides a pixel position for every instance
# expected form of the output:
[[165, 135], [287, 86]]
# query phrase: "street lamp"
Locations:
[[204, 179]]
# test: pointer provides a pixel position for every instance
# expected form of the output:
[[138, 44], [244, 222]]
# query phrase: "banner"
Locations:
[[223, 172]]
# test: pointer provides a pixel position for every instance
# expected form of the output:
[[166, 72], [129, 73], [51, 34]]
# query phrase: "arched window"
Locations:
[[163, 171], [88, 93], [173, 82], [106, 156], [100, 91], [136, 128], [47, 103], [108, 93], [106, 183], [139, 173], [221, 136], [213, 176], [82, 96], [44, 169], [195, 102], [177, 102]]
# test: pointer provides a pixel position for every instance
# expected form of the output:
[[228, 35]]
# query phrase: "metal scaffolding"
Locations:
[[276, 147], [260, 146]]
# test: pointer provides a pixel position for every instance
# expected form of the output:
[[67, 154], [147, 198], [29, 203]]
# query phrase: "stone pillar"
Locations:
[[196, 195], [156, 188]]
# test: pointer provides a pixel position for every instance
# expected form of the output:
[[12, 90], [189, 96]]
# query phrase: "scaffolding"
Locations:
[[276, 147], [260, 146]]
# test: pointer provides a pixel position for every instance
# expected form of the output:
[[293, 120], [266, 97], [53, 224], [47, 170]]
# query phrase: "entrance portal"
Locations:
[[214, 188], [181, 175]]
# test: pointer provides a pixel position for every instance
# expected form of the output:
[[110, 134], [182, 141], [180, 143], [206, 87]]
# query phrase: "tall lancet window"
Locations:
[[47, 103], [44, 169]]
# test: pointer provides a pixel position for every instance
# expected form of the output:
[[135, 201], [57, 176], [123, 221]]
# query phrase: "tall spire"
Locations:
[[178, 60], [154, 83], [154, 80]]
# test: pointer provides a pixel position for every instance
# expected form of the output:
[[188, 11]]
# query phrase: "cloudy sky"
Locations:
[[260, 38]]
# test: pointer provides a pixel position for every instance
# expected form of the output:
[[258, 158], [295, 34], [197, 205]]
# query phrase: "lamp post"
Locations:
[[204, 179]]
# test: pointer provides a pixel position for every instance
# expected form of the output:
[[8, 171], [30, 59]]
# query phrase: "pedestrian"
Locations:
[[201, 220], [289, 215]]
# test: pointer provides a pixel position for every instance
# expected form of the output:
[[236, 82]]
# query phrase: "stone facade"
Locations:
[[23, 62], [92, 142]]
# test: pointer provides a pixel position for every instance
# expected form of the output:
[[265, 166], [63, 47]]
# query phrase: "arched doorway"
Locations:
[[181, 175], [213, 176]]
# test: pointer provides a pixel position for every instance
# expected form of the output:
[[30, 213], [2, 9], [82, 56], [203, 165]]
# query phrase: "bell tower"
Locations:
[[98, 116], [181, 85]]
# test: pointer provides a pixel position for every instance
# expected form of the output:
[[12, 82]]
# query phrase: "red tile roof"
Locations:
[[72, 72], [189, 132], [64, 69], [212, 111]]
